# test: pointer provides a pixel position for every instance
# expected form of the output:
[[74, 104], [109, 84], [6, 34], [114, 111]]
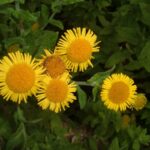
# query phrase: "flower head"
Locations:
[[53, 64], [56, 93], [19, 76], [77, 46], [118, 92], [35, 26], [140, 101], [126, 120]]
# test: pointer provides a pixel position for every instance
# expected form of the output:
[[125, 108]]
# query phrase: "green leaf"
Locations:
[[18, 138], [35, 121], [56, 124], [127, 34], [98, 78], [14, 40], [95, 91], [143, 137], [23, 15], [103, 20], [40, 40], [82, 97], [4, 128], [92, 144], [27, 16], [114, 144], [133, 65], [117, 58], [56, 5], [19, 115], [20, 1], [35, 147], [144, 56], [145, 13], [136, 145], [56, 23], [2, 2], [44, 15], [68, 2], [47, 40], [135, 1]]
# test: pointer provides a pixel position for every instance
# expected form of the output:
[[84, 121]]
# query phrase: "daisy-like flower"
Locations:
[[19, 76], [56, 93], [118, 92], [140, 101], [77, 46], [53, 64]]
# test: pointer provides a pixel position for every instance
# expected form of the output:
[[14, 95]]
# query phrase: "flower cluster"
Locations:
[[49, 78]]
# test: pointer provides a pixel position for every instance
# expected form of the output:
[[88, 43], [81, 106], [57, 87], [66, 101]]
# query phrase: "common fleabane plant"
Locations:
[[74, 75]]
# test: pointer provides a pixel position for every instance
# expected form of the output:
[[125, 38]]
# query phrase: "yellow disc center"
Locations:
[[57, 91], [79, 51], [20, 78], [119, 92], [54, 66]]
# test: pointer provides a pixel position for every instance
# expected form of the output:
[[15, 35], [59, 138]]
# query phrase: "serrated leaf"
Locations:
[[82, 97]]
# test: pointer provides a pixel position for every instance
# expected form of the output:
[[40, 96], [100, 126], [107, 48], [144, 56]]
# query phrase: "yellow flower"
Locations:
[[77, 46], [126, 120], [19, 76], [53, 64], [118, 92], [35, 26], [56, 93], [140, 101]]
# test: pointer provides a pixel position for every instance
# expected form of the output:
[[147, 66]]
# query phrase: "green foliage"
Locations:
[[144, 57], [114, 145], [81, 97], [123, 27]]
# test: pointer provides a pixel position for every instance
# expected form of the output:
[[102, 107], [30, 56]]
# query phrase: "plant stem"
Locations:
[[83, 83]]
